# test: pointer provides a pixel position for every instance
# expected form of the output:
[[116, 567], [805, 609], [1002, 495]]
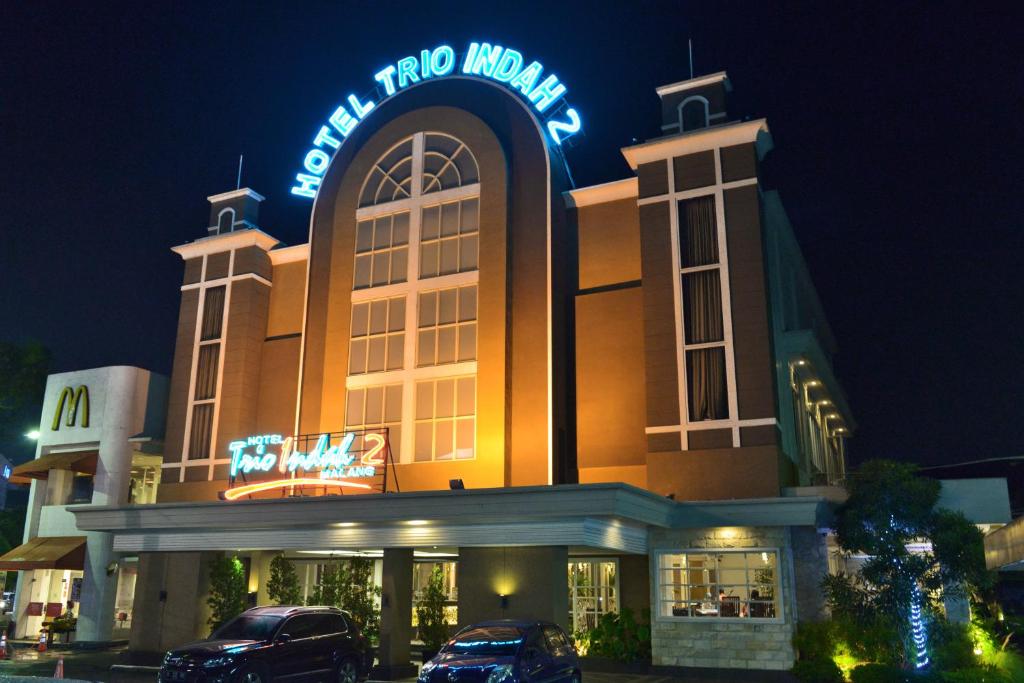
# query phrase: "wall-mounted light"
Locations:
[[34, 435], [416, 522], [503, 600], [814, 383]]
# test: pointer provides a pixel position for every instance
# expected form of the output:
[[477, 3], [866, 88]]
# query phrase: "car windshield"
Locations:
[[247, 627], [490, 641]]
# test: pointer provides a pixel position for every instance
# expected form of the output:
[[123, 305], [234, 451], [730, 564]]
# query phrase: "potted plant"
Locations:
[[431, 617]]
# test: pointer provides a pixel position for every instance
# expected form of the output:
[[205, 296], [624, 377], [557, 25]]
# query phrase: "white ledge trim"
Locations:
[[243, 192], [626, 188], [232, 240], [297, 252], [698, 141], [691, 83]]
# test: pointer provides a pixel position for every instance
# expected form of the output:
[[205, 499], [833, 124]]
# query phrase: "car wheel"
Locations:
[[251, 674], [348, 672]]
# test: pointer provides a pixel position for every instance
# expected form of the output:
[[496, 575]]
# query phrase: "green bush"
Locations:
[[228, 591], [817, 671], [871, 639], [880, 673], [978, 674], [815, 640], [620, 637], [950, 646]]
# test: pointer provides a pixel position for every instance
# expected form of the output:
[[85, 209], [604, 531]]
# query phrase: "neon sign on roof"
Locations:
[[494, 62]]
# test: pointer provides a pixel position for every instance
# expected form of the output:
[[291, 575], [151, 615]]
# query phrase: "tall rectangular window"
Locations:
[[445, 419], [382, 250], [418, 235], [447, 326], [378, 336], [723, 583], [449, 240], [376, 408], [207, 373], [703, 327]]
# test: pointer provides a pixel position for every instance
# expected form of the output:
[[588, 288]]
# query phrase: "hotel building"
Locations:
[[574, 400]]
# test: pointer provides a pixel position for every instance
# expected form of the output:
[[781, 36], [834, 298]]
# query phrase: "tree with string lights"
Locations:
[[916, 553]]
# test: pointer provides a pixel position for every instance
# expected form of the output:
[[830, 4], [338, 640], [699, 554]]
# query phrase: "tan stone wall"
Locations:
[[609, 243], [610, 415], [534, 578], [287, 299], [730, 644]]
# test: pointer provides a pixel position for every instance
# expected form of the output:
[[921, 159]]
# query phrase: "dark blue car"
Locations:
[[505, 651]]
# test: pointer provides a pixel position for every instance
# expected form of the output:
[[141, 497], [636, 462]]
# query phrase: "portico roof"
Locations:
[[607, 516]]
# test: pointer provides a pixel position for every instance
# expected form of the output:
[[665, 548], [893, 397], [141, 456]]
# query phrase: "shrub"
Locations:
[[430, 612], [980, 674], [228, 592], [880, 673], [950, 646], [815, 640], [620, 637], [283, 586], [817, 671]]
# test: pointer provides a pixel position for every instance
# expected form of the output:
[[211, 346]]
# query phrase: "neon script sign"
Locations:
[[499, 64], [335, 464], [332, 461]]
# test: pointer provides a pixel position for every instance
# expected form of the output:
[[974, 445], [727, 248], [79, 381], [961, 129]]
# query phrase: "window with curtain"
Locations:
[[415, 270], [207, 373], [703, 329]]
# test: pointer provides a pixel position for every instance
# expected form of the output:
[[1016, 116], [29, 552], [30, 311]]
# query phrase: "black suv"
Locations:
[[268, 643]]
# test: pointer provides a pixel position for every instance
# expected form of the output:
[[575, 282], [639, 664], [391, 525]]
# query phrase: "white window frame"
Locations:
[[707, 112], [615, 588], [410, 289], [780, 606]]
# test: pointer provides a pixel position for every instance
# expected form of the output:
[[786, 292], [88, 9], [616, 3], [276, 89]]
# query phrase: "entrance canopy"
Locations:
[[83, 462], [46, 552], [604, 517]]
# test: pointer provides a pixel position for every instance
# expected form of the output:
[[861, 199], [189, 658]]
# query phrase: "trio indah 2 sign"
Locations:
[[494, 62]]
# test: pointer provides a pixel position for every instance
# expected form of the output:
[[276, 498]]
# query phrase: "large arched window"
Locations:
[[412, 353]]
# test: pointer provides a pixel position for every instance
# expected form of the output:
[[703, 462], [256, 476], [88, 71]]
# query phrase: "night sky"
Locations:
[[897, 133]]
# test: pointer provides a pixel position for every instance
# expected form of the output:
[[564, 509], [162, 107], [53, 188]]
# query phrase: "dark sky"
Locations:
[[897, 129]]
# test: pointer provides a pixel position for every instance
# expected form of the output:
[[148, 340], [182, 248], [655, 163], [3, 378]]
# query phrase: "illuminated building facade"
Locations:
[[627, 386]]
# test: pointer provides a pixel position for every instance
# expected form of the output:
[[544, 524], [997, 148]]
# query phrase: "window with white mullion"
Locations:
[[703, 321], [419, 209]]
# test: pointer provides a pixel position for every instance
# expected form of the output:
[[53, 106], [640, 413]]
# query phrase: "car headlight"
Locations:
[[500, 674], [216, 662]]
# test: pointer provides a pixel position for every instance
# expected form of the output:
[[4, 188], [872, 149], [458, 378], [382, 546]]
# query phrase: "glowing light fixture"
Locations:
[[417, 522], [259, 487], [34, 435]]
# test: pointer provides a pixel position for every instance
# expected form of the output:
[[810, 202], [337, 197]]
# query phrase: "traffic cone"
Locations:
[[42, 641], [59, 671], [3, 646]]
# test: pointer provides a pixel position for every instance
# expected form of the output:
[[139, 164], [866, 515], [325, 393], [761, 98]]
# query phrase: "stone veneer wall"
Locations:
[[727, 643]]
